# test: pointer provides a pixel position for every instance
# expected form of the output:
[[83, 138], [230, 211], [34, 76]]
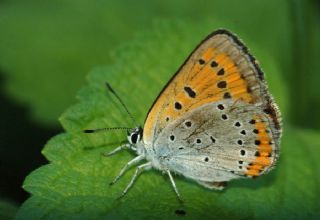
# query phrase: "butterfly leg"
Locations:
[[124, 169], [139, 169], [174, 185], [118, 149]]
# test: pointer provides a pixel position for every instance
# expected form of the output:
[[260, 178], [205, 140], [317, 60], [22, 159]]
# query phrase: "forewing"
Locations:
[[220, 68]]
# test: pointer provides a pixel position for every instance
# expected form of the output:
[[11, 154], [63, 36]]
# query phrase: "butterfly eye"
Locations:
[[135, 135], [133, 138]]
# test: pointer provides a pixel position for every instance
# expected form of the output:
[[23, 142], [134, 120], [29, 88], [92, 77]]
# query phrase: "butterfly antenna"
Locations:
[[105, 129], [121, 102]]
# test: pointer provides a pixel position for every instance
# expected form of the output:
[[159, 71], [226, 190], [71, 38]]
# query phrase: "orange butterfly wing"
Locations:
[[219, 68]]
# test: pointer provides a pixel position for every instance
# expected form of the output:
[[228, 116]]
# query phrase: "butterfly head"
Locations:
[[135, 135]]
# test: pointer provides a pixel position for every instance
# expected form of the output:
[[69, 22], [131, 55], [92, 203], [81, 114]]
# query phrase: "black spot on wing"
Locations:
[[177, 105], [201, 61], [191, 93], [214, 64], [226, 95], [220, 72], [222, 84]]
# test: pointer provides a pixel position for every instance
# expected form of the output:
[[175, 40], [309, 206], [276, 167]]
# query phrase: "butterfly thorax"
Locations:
[[156, 155]]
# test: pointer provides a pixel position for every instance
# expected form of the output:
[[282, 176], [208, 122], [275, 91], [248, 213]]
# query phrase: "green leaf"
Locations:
[[7, 209], [75, 183], [47, 47]]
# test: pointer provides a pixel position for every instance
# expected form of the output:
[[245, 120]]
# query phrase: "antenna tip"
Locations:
[[109, 87]]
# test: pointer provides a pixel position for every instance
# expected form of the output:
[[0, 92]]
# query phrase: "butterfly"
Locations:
[[213, 122]]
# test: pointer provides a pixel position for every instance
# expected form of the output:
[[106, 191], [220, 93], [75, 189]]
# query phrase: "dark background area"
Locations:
[[21, 141]]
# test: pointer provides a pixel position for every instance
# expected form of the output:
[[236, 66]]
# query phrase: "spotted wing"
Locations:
[[220, 68], [219, 141]]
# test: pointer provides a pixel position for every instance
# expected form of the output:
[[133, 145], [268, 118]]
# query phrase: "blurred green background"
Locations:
[[48, 47]]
